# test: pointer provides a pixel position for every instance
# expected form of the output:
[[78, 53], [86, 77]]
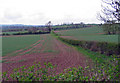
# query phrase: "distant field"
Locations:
[[13, 43], [13, 32], [89, 34]]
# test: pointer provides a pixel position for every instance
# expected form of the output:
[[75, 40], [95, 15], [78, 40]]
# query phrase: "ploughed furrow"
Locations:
[[47, 49], [22, 51]]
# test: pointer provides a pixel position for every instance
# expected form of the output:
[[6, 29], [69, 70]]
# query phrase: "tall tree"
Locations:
[[110, 15], [49, 26], [110, 11]]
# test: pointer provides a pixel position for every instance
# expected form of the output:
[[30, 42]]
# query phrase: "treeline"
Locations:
[[73, 26], [40, 29], [111, 28], [25, 33], [18, 27]]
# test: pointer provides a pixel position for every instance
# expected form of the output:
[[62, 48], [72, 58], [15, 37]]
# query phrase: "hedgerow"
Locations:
[[106, 48]]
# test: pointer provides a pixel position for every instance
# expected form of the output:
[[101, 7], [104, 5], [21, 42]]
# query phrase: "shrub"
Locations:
[[5, 34], [110, 28], [101, 47]]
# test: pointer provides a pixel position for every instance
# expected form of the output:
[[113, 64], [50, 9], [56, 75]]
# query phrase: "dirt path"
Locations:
[[49, 49]]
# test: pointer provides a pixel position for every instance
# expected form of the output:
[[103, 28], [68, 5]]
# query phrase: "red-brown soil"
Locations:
[[47, 50]]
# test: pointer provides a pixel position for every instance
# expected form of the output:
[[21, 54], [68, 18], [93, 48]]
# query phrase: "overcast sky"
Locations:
[[39, 12]]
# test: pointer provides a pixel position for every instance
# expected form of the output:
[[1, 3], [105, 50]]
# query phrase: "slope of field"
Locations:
[[13, 43], [89, 34], [46, 49]]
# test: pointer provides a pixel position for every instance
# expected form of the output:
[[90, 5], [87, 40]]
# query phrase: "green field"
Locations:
[[13, 32], [11, 44], [90, 34]]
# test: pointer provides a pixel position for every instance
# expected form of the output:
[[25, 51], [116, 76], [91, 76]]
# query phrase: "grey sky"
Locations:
[[41, 11]]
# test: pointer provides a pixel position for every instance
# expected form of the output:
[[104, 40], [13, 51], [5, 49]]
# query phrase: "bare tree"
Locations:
[[110, 15], [49, 26], [110, 11]]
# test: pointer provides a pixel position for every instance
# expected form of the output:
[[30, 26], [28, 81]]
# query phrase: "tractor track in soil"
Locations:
[[62, 55]]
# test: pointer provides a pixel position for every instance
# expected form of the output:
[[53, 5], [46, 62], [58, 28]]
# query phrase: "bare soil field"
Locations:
[[48, 49]]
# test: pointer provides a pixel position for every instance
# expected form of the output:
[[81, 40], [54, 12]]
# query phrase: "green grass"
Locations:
[[94, 55], [89, 34], [11, 44]]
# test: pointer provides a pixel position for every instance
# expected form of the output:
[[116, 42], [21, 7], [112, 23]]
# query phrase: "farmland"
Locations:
[[59, 41], [28, 50], [89, 34], [17, 42], [43, 48]]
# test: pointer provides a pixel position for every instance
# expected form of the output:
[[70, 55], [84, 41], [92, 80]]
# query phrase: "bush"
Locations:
[[5, 34], [111, 28]]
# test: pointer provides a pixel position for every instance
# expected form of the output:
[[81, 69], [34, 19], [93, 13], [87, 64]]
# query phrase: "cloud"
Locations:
[[35, 18], [12, 15], [42, 11]]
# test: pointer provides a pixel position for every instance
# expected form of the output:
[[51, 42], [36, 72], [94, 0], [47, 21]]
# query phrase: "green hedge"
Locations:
[[25, 33], [101, 47]]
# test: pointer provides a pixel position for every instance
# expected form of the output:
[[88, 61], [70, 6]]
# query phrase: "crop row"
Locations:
[[103, 72]]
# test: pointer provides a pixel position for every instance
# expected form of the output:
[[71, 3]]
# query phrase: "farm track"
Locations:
[[47, 49]]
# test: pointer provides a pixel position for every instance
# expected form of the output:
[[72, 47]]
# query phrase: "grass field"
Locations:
[[89, 34], [13, 43]]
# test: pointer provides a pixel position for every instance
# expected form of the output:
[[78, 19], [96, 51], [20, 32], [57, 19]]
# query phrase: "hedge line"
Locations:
[[101, 47], [28, 33], [25, 33]]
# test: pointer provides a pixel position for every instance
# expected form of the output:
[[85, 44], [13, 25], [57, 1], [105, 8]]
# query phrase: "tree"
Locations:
[[110, 11], [82, 24], [49, 26], [110, 15]]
